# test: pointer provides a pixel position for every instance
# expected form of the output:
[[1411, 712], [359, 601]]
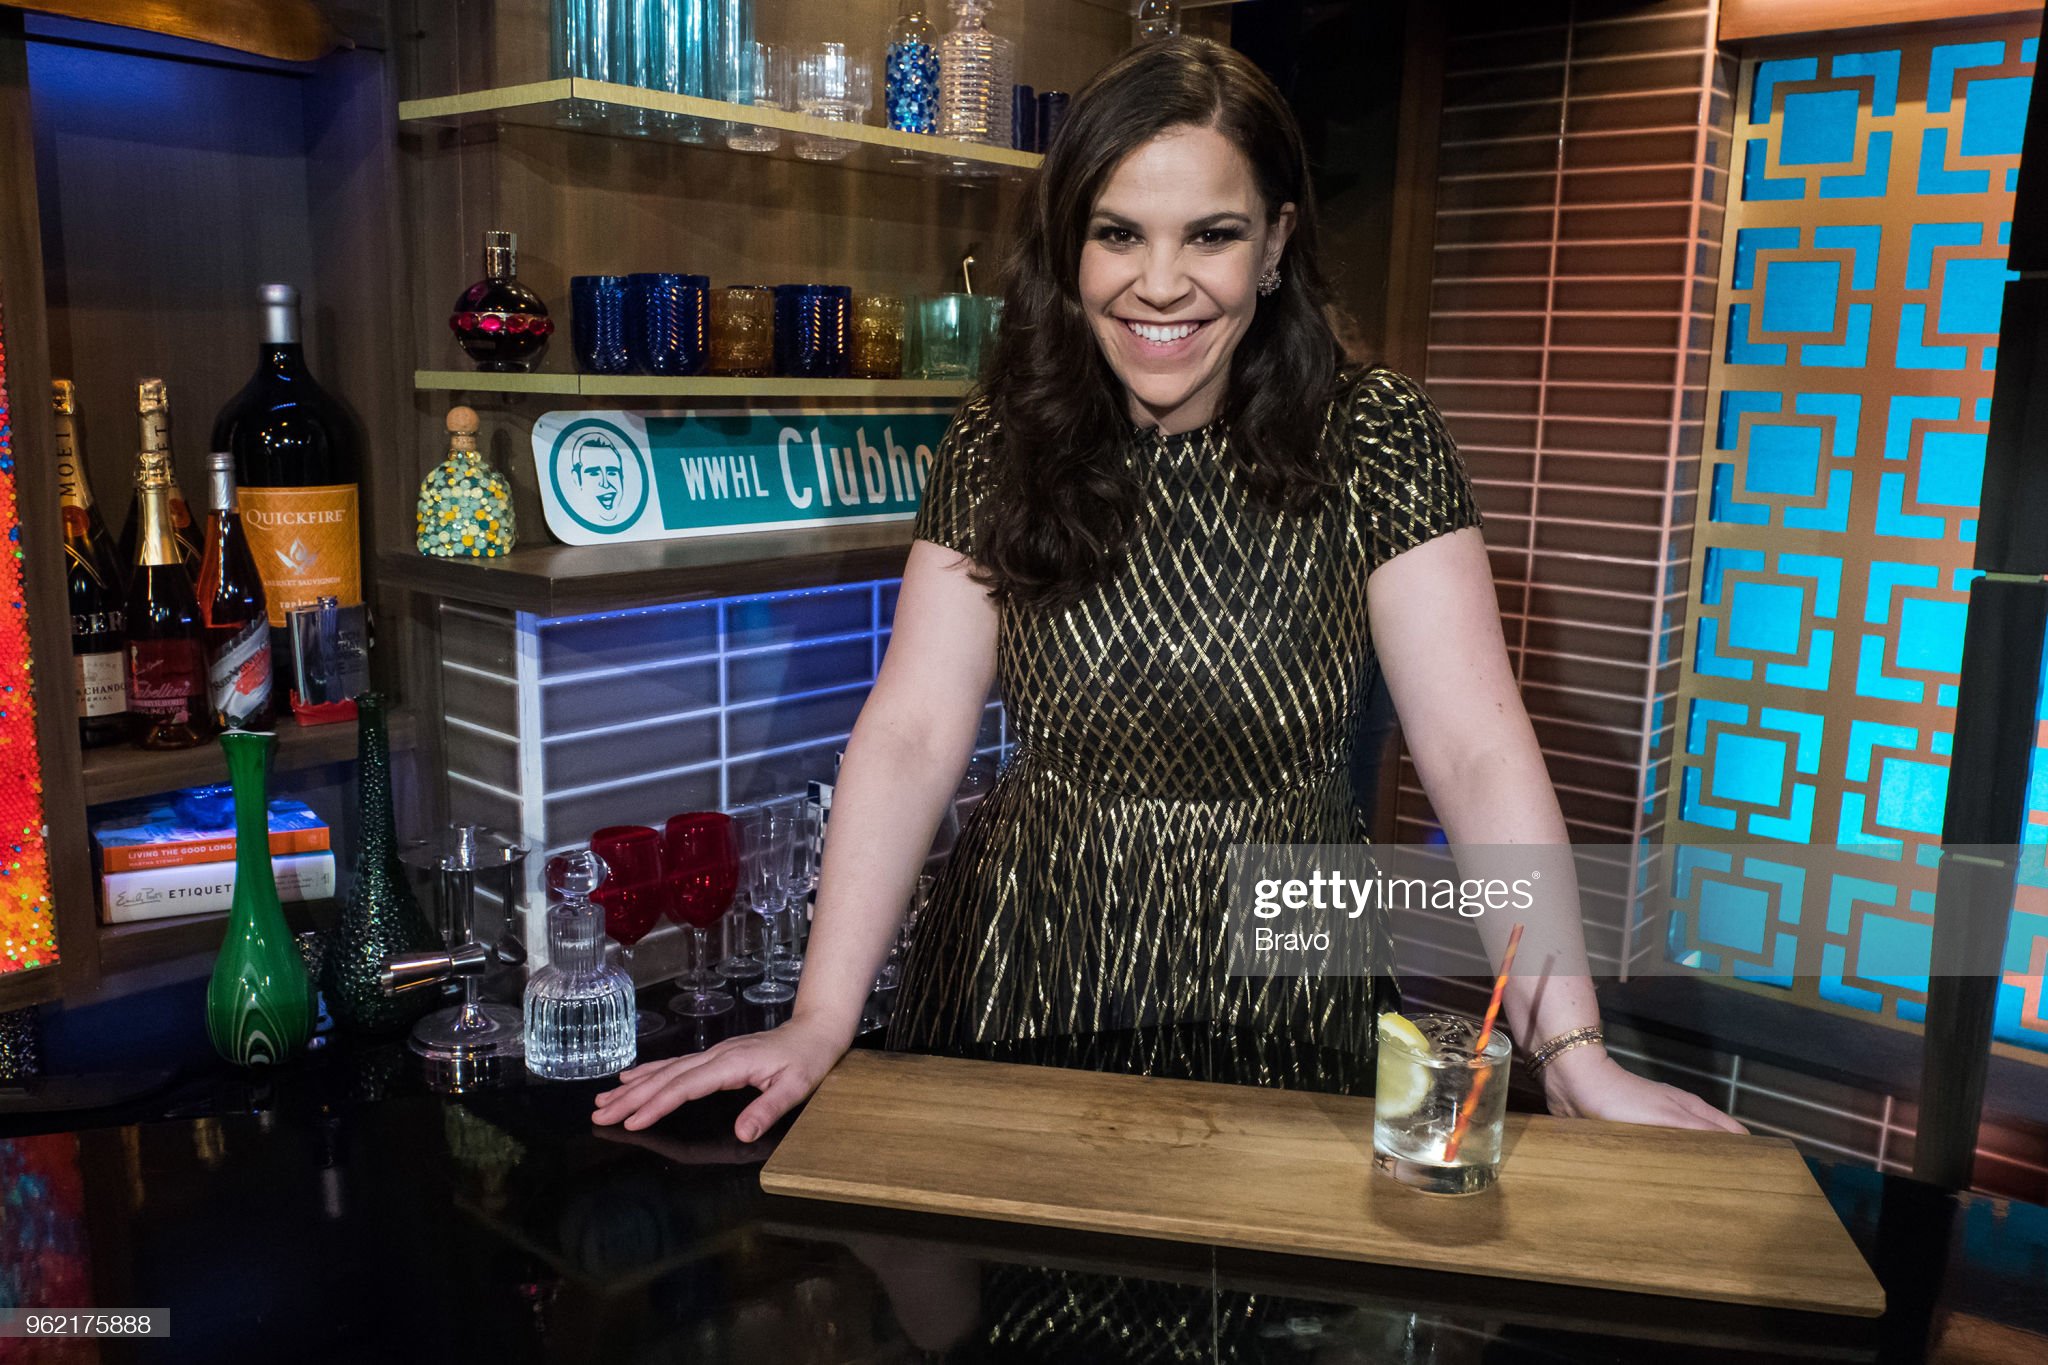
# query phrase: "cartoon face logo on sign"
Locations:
[[600, 476]]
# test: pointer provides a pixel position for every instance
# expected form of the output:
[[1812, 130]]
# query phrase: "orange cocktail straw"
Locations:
[[1500, 985]]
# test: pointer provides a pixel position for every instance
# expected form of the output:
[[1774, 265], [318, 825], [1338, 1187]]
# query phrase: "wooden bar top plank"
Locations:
[[1713, 1216]]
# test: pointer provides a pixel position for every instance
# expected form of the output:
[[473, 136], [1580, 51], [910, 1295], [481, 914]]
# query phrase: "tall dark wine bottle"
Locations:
[[93, 578], [296, 463], [166, 654], [153, 409], [237, 633]]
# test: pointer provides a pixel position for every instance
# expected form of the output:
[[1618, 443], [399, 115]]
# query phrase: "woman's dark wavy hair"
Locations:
[[1064, 504]]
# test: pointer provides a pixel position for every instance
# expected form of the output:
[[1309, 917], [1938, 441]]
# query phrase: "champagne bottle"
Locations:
[[93, 580], [153, 404], [166, 659], [238, 671], [296, 463]]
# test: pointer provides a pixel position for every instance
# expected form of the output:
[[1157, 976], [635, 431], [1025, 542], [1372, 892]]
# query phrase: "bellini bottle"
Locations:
[[166, 658], [153, 411], [93, 579], [296, 466], [238, 660]]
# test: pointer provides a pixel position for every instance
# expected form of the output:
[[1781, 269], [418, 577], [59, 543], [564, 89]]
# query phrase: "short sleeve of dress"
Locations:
[[952, 494], [1411, 482]]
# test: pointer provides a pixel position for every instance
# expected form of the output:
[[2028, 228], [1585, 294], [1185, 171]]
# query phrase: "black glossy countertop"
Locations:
[[337, 1211]]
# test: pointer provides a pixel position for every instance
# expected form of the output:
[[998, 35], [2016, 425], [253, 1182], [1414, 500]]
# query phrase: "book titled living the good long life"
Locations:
[[174, 854]]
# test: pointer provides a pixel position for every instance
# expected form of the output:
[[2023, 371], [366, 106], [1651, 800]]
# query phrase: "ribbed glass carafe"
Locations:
[[975, 75]]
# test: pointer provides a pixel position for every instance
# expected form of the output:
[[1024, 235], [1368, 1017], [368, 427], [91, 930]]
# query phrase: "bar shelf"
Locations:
[[576, 104], [567, 580], [125, 946], [119, 773], [697, 386]]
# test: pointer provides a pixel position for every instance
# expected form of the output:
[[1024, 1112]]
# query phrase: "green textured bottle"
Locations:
[[381, 916], [259, 1004]]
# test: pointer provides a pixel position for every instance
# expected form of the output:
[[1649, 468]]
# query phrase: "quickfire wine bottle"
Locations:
[[296, 466]]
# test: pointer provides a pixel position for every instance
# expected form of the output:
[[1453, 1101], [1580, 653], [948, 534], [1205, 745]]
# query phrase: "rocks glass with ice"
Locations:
[[1428, 1067]]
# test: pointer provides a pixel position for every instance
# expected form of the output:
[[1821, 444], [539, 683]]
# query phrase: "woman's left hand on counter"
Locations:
[[1588, 1084]]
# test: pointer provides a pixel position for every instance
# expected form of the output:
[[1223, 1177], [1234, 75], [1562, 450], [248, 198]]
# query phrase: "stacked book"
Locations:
[[175, 855]]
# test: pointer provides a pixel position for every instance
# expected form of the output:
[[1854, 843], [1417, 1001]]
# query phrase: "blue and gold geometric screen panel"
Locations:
[[1855, 347]]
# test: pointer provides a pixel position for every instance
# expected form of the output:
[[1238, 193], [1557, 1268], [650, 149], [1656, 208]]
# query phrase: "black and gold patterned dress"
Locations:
[[1205, 695]]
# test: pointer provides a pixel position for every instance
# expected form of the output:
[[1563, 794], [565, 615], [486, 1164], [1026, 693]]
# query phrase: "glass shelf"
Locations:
[[700, 386], [118, 772], [600, 107]]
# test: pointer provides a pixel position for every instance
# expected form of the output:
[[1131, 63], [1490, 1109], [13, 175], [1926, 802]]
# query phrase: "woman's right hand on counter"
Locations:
[[785, 1064]]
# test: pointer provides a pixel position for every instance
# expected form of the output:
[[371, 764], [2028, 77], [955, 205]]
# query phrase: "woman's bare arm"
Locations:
[[1436, 630], [903, 763]]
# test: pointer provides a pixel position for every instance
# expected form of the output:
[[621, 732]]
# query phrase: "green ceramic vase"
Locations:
[[259, 1004], [380, 917]]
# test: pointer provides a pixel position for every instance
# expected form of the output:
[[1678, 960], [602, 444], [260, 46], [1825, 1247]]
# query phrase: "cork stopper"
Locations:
[[63, 397], [462, 426]]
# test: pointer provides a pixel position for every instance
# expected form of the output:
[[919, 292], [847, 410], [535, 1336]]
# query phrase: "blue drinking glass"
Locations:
[[728, 44], [813, 324], [579, 47], [632, 58], [668, 323], [597, 324], [1023, 119]]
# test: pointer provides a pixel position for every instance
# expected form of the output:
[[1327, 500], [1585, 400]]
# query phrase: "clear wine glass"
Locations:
[[797, 850], [700, 860], [759, 830]]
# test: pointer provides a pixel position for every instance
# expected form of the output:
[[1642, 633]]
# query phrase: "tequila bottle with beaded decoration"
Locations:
[[465, 507]]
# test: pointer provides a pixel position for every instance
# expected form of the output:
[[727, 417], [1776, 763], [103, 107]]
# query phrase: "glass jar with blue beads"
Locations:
[[911, 88]]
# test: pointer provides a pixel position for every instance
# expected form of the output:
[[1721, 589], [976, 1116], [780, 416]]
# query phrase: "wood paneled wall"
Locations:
[[1583, 163]]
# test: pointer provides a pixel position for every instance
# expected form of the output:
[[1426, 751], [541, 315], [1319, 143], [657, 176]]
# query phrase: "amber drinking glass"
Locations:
[[878, 337], [743, 330]]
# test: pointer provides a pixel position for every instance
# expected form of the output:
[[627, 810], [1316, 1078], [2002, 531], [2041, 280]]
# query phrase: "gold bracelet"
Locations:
[[1563, 1043]]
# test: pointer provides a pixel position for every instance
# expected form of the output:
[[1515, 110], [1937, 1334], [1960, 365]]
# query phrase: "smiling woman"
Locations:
[[1170, 239], [1183, 536], [1169, 281]]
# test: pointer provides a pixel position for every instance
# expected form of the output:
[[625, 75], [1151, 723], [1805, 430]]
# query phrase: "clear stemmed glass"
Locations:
[[742, 943], [700, 874], [891, 975], [630, 896], [762, 890], [796, 869]]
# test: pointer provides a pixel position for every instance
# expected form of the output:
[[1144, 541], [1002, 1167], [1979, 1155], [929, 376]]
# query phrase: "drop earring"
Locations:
[[1269, 283]]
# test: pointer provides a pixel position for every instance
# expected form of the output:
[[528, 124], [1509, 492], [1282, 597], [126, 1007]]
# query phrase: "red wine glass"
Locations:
[[701, 874], [630, 896]]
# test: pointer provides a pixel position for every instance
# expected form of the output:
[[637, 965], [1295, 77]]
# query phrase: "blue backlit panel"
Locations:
[[1857, 336]]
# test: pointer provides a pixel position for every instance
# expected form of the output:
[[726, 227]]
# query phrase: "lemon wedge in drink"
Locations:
[[1402, 1082]]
